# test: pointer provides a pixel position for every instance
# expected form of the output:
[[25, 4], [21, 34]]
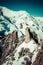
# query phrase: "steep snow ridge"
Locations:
[[8, 12]]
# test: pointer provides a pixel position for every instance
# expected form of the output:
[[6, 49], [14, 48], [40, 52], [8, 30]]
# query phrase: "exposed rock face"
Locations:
[[27, 61], [26, 52], [39, 58], [1, 13], [9, 44], [35, 37], [30, 35], [1, 50], [27, 35]]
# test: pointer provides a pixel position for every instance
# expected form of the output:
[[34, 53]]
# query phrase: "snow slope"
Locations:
[[32, 46], [11, 20]]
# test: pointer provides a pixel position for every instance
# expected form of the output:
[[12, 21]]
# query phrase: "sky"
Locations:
[[34, 7]]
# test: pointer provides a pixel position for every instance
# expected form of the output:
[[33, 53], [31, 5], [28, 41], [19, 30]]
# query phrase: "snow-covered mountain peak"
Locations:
[[10, 13], [18, 46], [19, 20]]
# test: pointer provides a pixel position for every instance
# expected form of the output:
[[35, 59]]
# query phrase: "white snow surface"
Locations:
[[13, 19]]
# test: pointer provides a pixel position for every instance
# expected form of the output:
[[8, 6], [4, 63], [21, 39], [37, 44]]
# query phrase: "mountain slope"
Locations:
[[24, 53], [19, 20]]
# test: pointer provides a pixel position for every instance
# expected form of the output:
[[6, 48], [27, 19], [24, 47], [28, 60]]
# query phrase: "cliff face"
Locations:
[[39, 58], [27, 35], [15, 49], [9, 44]]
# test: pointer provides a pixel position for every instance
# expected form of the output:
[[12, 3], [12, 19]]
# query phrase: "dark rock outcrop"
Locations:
[[33, 35], [39, 58], [9, 43], [1, 50]]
